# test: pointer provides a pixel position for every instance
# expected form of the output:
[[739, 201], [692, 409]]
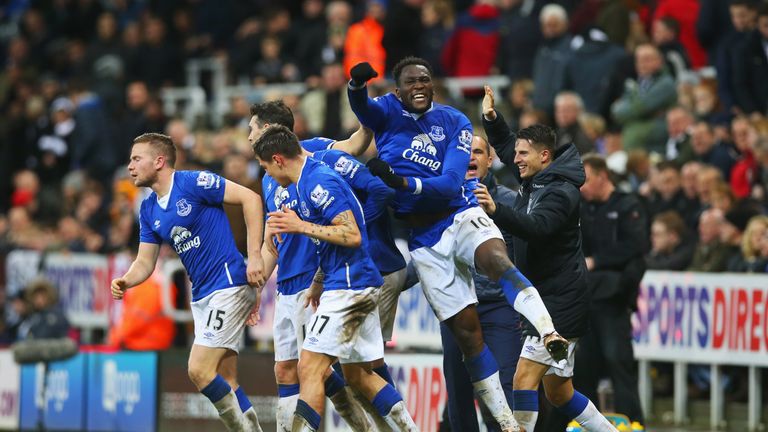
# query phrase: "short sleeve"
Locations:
[[328, 196], [316, 144], [146, 235], [205, 186]]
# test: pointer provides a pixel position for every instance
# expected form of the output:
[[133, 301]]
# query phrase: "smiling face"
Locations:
[[528, 159], [415, 88]]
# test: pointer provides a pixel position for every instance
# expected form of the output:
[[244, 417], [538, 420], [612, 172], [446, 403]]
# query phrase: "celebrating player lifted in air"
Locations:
[[423, 154], [185, 210], [346, 322]]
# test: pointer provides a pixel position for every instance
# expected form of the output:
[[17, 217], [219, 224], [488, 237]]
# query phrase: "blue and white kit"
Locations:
[[191, 219]]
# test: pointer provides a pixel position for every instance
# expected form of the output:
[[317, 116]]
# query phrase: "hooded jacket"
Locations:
[[547, 239]]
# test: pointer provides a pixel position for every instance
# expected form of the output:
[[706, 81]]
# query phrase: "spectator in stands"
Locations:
[[520, 37], [732, 233], [143, 325], [641, 108], [685, 12], [23, 232], [689, 177], [679, 124], [310, 31], [53, 146], [721, 197], [751, 260], [402, 28], [743, 19], [270, 68], [568, 108], [671, 245], [437, 20], [363, 42], [708, 150], [613, 17], [551, 58], [668, 193], [105, 64], [159, 65], [327, 108], [706, 104], [750, 67], [713, 26], [472, 48], [615, 156], [744, 171], [18, 312], [711, 255], [665, 34], [588, 72], [46, 320], [615, 233], [708, 178]]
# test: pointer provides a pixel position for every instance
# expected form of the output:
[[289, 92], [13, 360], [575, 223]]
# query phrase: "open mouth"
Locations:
[[419, 97]]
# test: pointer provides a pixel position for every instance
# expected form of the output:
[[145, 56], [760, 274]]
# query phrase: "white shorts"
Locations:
[[534, 350], [445, 269], [346, 326], [220, 317], [388, 296], [288, 325]]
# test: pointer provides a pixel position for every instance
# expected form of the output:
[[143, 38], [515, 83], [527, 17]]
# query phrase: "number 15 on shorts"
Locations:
[[215, 317]]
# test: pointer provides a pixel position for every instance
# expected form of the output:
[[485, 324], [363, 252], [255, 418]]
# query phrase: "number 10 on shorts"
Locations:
[[217, 316]]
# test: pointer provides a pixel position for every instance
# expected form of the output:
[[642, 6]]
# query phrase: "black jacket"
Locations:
[[547, 240], [615, 234]]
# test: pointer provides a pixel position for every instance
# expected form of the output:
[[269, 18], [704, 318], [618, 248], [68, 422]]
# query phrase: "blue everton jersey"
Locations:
[[296, 253], [322, 196], [195, 225], [423, 146], [374, 196]]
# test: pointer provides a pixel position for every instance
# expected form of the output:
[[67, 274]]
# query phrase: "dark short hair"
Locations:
[[751, 4], [273, 113], [762, 10], [667, 165], [277, 139], [540, 136], [596, 162], [409, 61], [162, 144]]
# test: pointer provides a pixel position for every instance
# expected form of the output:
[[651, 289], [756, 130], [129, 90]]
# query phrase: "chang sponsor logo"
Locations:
[[183, 240], [423, 152], [282, 197]]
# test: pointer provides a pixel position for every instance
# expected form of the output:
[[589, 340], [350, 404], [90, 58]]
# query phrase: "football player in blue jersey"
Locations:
[[345, 325], [374, 195], [185, 210], [423, 154], [296, 260]]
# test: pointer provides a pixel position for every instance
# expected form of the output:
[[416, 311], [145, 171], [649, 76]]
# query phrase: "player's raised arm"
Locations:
[[343, 230], [370, 112], [253, 213], [141, 269]]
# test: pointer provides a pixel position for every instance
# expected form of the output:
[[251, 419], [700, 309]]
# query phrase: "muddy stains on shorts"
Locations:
[[354, 315]]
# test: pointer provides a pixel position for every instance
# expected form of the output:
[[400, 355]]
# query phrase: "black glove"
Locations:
[[361, 73], [381, 169]]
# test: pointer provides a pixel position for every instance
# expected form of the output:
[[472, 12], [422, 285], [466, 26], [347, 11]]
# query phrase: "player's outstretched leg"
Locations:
[[481, 366], [344, 403], [574, 405], [202, 369], [385, 398], [492, 260]]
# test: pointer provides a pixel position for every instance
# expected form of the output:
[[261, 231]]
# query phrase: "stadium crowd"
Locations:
[[673, 93]]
